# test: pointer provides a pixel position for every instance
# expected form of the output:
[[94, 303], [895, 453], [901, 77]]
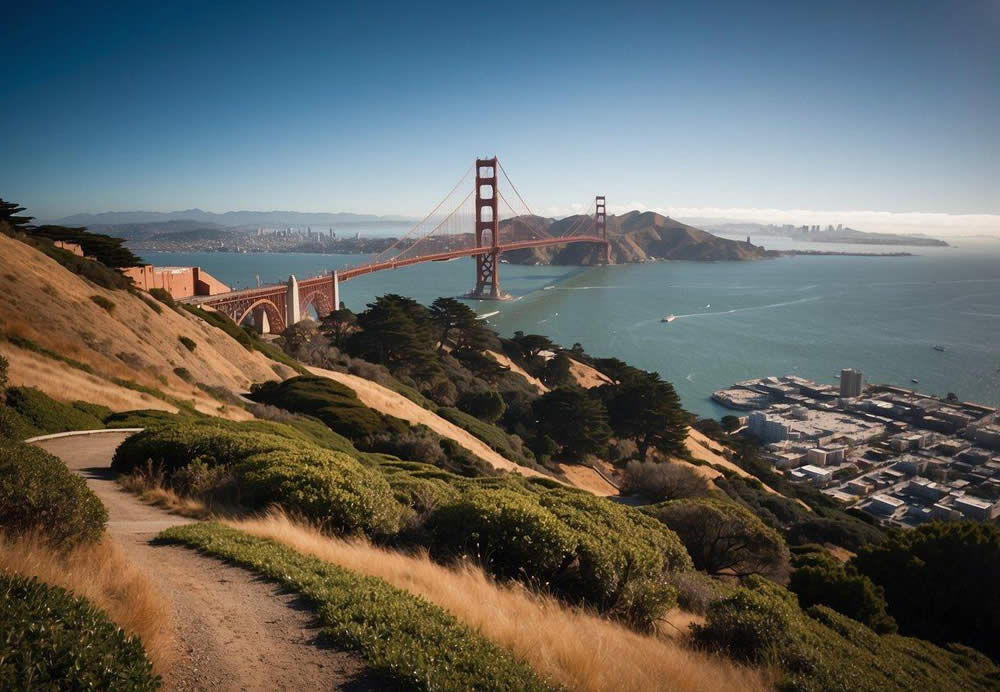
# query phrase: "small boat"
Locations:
[[709, 305], [548, 288], [942, 349], [914, 380], [669, 318]]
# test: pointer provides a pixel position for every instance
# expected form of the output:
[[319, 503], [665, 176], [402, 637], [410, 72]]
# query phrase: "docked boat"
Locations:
[[669, 318]]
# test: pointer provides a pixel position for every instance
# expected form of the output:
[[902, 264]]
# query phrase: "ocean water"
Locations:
[[809, 316]]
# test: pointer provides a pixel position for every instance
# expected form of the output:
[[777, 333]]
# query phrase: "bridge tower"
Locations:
[[487, 219], [601, 225]]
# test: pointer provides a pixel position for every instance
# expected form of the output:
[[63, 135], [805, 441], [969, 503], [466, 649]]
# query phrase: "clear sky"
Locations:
[[373, 107]]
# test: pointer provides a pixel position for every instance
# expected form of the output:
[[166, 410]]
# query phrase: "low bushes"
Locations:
[[53, 640], [331, 402], [418, 644], [189, 344], [46, 415], [819, 649], [494, 437], [39, 494], [585, 549], [330, 488]]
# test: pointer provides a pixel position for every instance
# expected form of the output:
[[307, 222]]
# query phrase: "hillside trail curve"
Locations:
[[232, 630]]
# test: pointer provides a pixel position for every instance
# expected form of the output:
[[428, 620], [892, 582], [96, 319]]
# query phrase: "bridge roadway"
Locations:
[[354, 272]]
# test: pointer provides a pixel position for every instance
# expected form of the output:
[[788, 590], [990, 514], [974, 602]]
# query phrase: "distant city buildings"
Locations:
[[852, 383], [902, 456]]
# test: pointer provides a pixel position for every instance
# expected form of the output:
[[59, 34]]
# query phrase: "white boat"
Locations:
[[669, 318], [914, 380], [548, 288]]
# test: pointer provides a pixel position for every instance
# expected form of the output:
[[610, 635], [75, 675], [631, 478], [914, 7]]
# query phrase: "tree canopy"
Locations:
[[723, 537], [940, 581], [457, 325], [821, 579], [576, 421], [643, 408]]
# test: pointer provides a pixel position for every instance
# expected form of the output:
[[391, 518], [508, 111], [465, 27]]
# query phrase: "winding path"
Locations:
[[233, 631]]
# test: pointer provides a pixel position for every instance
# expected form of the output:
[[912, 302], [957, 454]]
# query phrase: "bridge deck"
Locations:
[[354, 272]]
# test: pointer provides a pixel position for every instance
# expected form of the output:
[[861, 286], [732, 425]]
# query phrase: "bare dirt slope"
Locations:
[[51, 306], [389, 402], [234, 631], [518, 370], [586, 376]]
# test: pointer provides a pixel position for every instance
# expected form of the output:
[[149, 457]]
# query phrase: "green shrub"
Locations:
[[510, 534], [163, 295], [38, 493], [724, 537], [587, 550], [416, 643], [329, 401], [189, 344], [330, 488], [46, 415], [54, 640], [184, 374], [494, 437], [98, 411], [249, 341], [14, 426], [104, 303], [821, 579]]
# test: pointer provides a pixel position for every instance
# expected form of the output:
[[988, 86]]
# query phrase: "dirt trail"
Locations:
[[233, 630]]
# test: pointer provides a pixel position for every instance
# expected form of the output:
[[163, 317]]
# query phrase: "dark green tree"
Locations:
[[337, 325], [105, 249], [457, 325], [940, 581], [396, 331], [576, 421], [11, 213], [821, 579], [730, 423], [557, 371], [647, 410], [486, 406]]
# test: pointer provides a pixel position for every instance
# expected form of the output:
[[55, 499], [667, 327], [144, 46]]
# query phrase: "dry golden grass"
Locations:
[[586, 478], [52, 307], [102, 575], [573, 648], [165, 498]]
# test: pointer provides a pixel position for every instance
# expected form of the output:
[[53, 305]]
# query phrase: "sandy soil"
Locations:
[[233, 630], [586, 376], [517, 369], [389, 402], [51, 306], [588, 479]]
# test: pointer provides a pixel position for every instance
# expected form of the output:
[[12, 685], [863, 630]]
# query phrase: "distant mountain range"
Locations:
[[637, 236], [229, 218]]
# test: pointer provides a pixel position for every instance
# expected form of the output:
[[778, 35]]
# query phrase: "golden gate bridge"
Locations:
[[463, 224]]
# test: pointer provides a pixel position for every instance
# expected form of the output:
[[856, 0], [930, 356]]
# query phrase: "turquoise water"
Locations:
[[809, 316]]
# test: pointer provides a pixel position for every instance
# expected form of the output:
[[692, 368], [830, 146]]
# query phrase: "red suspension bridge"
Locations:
[[472, 224]]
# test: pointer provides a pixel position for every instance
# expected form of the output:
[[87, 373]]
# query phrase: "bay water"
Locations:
[[806, 315]]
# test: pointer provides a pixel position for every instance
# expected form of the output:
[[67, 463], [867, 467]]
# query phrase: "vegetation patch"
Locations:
[[494, 437], [189, 344], [54, 640], [257, 469], [405, 637], [820, 649], [39, 494], [104, 303], [329, 401], [40, 414]]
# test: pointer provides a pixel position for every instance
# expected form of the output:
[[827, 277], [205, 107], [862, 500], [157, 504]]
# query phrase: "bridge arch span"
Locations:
[[319, 300], [275, 318]]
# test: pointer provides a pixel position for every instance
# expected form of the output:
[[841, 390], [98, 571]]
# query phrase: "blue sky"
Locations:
[[379, 108]]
